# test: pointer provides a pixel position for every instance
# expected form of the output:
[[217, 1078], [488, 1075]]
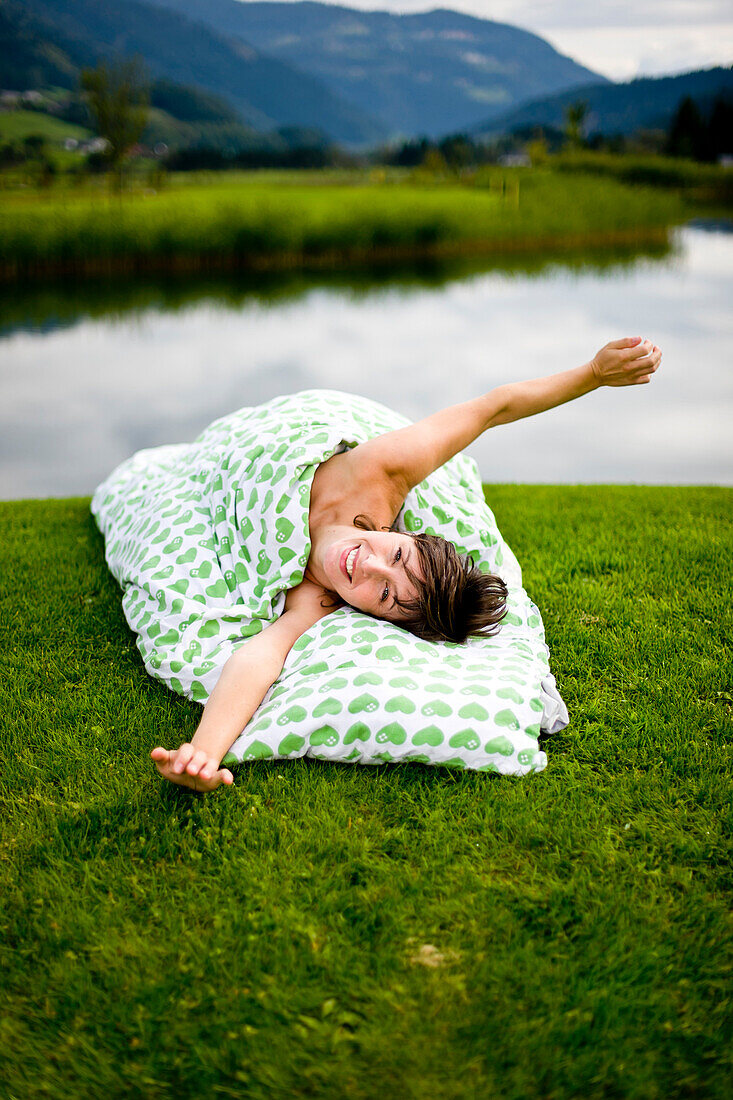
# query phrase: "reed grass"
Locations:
[[229, 224], [702, 183]]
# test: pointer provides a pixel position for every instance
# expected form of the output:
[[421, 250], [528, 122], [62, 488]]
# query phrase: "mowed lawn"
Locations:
[[398, 932]]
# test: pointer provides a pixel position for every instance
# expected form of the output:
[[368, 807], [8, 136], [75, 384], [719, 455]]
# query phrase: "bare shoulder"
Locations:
[[351, 483]]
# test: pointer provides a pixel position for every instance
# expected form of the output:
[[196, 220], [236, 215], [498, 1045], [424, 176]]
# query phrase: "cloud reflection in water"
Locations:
[[78, 400]]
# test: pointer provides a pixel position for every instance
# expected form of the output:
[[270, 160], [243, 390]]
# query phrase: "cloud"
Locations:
[[561, 13], [623, 53]]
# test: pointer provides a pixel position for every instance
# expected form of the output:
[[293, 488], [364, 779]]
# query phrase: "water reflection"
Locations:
[[43, 308], [85, 384]]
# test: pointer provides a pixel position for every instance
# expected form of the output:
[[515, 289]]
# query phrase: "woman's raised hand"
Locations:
[[628, 362], [191, 767]]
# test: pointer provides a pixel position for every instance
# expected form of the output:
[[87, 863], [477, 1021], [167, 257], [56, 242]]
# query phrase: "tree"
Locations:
[[434, 162], [687, 132], [458, 150], [538, 152], [117, 98], [575, 115], [720, 127]]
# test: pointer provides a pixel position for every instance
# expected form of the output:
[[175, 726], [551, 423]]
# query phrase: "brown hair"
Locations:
[[456, 600]]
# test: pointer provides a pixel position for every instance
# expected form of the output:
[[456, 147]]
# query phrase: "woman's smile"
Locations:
[[348, 562], [370, 573]]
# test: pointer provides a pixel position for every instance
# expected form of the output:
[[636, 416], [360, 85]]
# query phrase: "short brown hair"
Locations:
[[455, 600]]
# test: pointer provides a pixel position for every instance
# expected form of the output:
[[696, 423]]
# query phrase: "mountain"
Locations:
[[47, 41], [32, 58], [430, 73], [647, 103]]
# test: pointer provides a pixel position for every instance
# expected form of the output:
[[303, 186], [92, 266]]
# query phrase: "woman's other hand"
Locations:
[[191, 767], [628, 362]]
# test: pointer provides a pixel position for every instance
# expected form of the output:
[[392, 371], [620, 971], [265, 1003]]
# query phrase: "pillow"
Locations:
[[364, 691]]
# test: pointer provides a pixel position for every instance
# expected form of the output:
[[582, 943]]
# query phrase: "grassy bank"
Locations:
[[697, 183], [258, 222], [333, 931]]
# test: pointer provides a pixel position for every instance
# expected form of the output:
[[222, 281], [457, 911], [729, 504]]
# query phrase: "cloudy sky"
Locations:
[[618, 38]]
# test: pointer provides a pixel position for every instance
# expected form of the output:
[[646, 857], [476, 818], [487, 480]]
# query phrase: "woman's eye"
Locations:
[[398, 555], [384, 595]]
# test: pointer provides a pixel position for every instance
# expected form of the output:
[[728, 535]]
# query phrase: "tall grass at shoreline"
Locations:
[[228, 224], [402, 931], [702, 183]]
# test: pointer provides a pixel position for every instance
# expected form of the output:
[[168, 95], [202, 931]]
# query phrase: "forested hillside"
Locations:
[[428, 73], [645, 103], [46, 42]]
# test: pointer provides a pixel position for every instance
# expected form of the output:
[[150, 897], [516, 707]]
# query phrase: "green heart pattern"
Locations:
[[206, 538]]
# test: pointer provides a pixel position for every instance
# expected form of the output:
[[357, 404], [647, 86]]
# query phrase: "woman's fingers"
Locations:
[[639, 351], [191, 768], [644, 366], [210, 768], [182, 757], [649, 363], [626, 342], [196, 762]]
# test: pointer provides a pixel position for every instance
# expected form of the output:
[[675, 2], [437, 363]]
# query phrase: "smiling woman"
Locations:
[[354, 466], [374, 573], [418, 581]]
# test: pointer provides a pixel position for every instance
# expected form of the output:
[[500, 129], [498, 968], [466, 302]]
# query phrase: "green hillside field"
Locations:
[[17, 125], [326, 930]]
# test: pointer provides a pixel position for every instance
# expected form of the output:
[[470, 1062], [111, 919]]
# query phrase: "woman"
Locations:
[[355, 558]]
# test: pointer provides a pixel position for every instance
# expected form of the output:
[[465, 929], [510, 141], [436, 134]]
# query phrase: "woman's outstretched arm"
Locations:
[[408, 455], [245, 680]]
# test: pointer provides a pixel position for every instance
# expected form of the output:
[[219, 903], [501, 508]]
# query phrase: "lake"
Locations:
[[89, 374]]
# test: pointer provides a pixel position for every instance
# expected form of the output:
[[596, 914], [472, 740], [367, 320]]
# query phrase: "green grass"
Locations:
[[16, 125], [227, 223], [265, 941], [701, 183]]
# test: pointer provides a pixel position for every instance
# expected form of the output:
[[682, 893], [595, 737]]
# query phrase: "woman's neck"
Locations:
[[321, 536]]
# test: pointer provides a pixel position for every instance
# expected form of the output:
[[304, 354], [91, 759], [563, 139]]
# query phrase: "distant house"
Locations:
[[515, 160], [94, 145], [10, 100]]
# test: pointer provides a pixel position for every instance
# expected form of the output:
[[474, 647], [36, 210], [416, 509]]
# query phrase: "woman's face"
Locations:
[[367, 569]]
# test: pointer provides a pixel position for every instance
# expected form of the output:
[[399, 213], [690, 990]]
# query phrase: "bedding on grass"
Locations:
[[205, 540]]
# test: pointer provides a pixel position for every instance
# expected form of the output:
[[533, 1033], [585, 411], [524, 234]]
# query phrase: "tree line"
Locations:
[[117, 99]]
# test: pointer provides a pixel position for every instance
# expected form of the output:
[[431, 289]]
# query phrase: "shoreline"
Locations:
[[86, 267], [225, 226]]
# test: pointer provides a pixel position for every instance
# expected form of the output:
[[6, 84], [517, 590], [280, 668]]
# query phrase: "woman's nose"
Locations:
[[374, 565], [368, 566]]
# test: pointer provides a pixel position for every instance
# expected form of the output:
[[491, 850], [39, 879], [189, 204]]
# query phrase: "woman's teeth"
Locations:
[[351, 559]]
